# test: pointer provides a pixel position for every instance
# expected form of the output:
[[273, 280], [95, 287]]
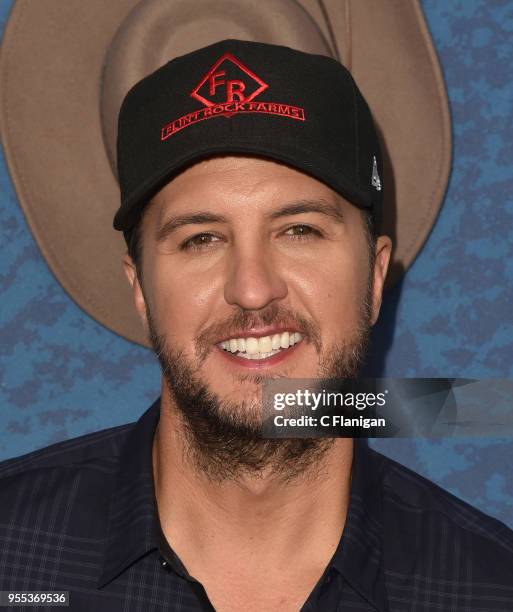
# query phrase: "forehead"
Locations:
[[238, 183]]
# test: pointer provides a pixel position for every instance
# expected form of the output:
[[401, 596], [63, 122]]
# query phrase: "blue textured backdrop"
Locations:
[[63, 375]]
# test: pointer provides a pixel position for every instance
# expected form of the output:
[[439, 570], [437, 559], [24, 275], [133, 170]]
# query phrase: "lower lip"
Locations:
[[253, 364]]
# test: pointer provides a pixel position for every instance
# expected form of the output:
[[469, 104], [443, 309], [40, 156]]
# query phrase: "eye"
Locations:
[[302, 232], [198, 242]]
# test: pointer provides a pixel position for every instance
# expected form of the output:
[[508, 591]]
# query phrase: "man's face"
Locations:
[[241, 247]]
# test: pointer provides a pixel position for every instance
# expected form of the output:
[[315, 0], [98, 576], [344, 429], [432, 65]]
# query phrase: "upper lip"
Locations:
[[260, 332]]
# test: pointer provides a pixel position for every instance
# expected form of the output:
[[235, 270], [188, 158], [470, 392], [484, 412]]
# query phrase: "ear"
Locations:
[[383, 253], [137, 292]]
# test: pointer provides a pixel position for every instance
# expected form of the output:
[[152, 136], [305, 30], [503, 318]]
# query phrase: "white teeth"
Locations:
[[258, 355], [265, 345], [251, 346], [285, 340], [254, 348]]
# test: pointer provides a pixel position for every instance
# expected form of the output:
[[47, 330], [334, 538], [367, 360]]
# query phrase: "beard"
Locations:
[[222, 437]]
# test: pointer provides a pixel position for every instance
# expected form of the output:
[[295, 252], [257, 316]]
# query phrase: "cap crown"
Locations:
[[246, 97]]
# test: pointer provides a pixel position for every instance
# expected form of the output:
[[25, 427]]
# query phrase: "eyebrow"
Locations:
[[322, 206]]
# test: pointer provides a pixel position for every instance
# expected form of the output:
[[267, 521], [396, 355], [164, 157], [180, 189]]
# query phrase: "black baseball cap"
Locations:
[[244, 97]]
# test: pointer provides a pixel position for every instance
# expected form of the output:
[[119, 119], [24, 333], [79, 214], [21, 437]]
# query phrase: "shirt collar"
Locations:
[[359, 555], [132, 527]]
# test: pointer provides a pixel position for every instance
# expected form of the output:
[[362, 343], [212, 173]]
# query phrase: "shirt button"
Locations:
[[163, 562]]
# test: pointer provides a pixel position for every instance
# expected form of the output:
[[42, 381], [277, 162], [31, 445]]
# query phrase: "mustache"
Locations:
[[273, 314]]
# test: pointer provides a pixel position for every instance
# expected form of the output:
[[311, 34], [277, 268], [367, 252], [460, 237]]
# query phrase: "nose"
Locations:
[[253, 278]]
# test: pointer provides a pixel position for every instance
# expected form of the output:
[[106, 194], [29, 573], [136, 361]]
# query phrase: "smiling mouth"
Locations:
[[261, 348]]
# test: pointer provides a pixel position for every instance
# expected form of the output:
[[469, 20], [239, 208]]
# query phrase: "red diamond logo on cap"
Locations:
[[228, 77], [229, 89]]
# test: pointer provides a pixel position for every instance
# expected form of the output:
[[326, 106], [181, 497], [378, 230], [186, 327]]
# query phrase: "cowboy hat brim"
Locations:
[[58, 144]]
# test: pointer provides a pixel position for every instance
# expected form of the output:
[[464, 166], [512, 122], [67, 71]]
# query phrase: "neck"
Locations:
[[257, 517]]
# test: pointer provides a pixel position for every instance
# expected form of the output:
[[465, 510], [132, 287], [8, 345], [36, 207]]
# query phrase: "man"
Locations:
[[253, 253]]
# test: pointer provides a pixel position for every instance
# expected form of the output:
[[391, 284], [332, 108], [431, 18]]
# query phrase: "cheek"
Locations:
[[334, 292], [181, 303]]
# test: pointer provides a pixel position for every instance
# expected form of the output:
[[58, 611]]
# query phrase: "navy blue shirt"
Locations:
[[81, 516]]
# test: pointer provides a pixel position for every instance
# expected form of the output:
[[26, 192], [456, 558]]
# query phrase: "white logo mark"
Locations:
[[375, 181]]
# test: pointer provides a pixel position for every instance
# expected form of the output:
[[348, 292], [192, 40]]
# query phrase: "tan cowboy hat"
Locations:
[[65, 67]]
